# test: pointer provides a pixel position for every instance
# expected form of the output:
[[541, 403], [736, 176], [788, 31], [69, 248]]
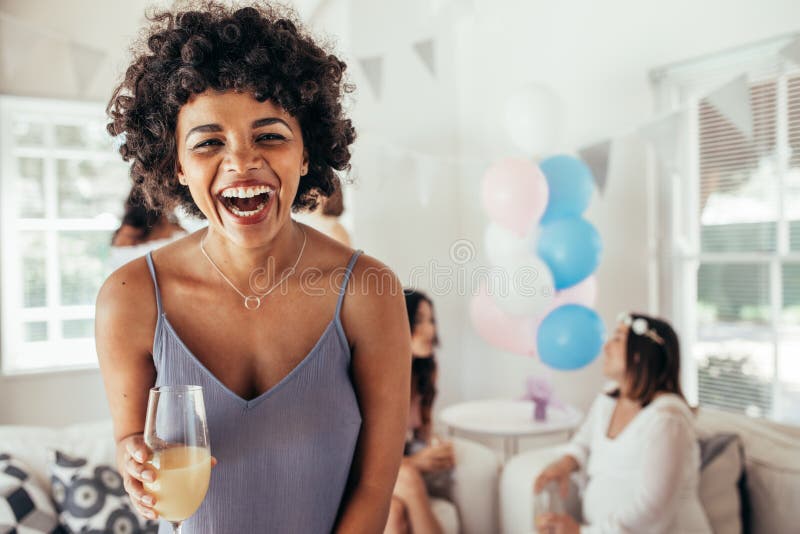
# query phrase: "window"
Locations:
[[62, 188], [734, 234]]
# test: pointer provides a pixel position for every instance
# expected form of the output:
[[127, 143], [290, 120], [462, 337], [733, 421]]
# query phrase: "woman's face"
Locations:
[[614, 354], [242, 160], [424, 331]]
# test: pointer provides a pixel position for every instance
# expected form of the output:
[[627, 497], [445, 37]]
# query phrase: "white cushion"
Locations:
[[774, 493], [32, 445], [447, 515], [475, 487]]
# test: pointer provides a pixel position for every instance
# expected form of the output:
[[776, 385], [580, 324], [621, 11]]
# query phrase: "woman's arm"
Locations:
[[124, 325], [576, 453], [375, 319]]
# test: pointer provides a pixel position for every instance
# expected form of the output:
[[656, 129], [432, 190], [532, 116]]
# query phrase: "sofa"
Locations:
[[473, 491], [750, 480]]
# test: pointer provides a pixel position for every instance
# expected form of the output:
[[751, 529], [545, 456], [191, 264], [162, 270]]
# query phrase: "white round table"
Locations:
[[509, 420]]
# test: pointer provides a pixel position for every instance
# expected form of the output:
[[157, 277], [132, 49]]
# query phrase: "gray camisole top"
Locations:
[[284, 456]]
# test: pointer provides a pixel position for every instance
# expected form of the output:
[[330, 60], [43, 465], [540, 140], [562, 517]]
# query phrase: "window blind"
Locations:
[[745, 244]]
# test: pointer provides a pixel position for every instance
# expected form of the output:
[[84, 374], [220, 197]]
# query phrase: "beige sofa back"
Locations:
[[772, 468]]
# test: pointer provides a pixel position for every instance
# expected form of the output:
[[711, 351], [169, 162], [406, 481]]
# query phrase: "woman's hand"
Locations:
[[132, 454], [132, 458], [558, 472], [435, 457], [557, 524]]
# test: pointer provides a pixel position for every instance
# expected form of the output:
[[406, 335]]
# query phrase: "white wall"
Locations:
[[596, 55], [408, 130]]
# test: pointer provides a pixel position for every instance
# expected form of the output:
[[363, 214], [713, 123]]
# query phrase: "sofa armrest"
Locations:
[[516, 490], [475, 486]]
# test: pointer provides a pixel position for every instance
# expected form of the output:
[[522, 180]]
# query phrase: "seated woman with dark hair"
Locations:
[[142, 229], [637, 445], [427, 464]]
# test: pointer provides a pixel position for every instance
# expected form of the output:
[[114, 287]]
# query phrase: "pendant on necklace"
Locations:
[[252, 302]]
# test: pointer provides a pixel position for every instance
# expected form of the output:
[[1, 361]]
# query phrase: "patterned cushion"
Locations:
[[91, 498], [25, 508]]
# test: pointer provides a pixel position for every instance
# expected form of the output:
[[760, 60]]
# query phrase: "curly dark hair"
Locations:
[[260, 49]]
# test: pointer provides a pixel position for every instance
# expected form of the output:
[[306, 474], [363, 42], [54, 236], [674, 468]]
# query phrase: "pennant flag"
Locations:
[[373, 70], [424, 50], [86, 62], [664, 135], [792, 51], [597, 156], [16, 42], [733, 101]]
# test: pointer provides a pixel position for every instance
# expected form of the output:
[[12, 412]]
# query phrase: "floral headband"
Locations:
[[640, 327]]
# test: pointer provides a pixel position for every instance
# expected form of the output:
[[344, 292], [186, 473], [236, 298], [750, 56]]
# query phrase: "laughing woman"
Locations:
[[303, 353]]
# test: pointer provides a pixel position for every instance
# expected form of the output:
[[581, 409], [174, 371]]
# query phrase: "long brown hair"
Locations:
[[423, 367], [651, 366]]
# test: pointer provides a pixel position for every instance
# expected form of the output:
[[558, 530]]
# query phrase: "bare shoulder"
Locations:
[[374, 307], [126, 302], [374, 280]]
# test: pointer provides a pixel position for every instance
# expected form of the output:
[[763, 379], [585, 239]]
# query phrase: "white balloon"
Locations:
[[531, 288], [533, 116], [504, 248]]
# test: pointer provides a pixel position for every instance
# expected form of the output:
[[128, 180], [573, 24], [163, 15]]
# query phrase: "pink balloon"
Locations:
[[514, 194], [508, 332], [583, 293]]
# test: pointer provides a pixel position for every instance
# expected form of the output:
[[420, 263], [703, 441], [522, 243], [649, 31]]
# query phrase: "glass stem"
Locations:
[[176, 526]]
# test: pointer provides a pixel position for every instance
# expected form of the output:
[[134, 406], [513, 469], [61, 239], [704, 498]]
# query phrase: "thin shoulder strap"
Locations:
[[149, 258], [347, 272]]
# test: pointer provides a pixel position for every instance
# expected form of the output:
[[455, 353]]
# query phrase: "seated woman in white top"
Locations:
[[638, 444]]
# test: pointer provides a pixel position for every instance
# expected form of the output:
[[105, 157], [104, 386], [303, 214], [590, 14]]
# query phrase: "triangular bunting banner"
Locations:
[[664, 134], [373, 70], [87, 62], [425, 52], [597, 156], [733, 101], [792, 51]]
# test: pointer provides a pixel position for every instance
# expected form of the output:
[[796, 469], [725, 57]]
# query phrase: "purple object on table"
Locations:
[[540, 391], [540, 409]]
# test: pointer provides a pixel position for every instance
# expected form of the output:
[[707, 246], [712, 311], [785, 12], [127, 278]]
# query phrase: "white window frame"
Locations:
[[675, 242], [18, 356]]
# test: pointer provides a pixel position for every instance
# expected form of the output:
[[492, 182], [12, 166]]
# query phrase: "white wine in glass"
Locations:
[[177, 434], [547, 501]]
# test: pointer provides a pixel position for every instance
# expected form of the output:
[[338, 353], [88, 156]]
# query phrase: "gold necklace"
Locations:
[[253, 301]]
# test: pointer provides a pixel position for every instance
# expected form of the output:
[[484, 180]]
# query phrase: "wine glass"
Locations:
[[547, 501], [177, 434]]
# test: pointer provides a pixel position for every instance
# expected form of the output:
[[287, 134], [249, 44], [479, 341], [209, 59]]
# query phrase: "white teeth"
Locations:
[[247, 192], [240, 213]]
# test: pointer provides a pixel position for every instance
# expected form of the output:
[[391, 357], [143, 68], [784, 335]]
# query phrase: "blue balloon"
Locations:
[[570, 337], [570, 183], [571, 248]]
